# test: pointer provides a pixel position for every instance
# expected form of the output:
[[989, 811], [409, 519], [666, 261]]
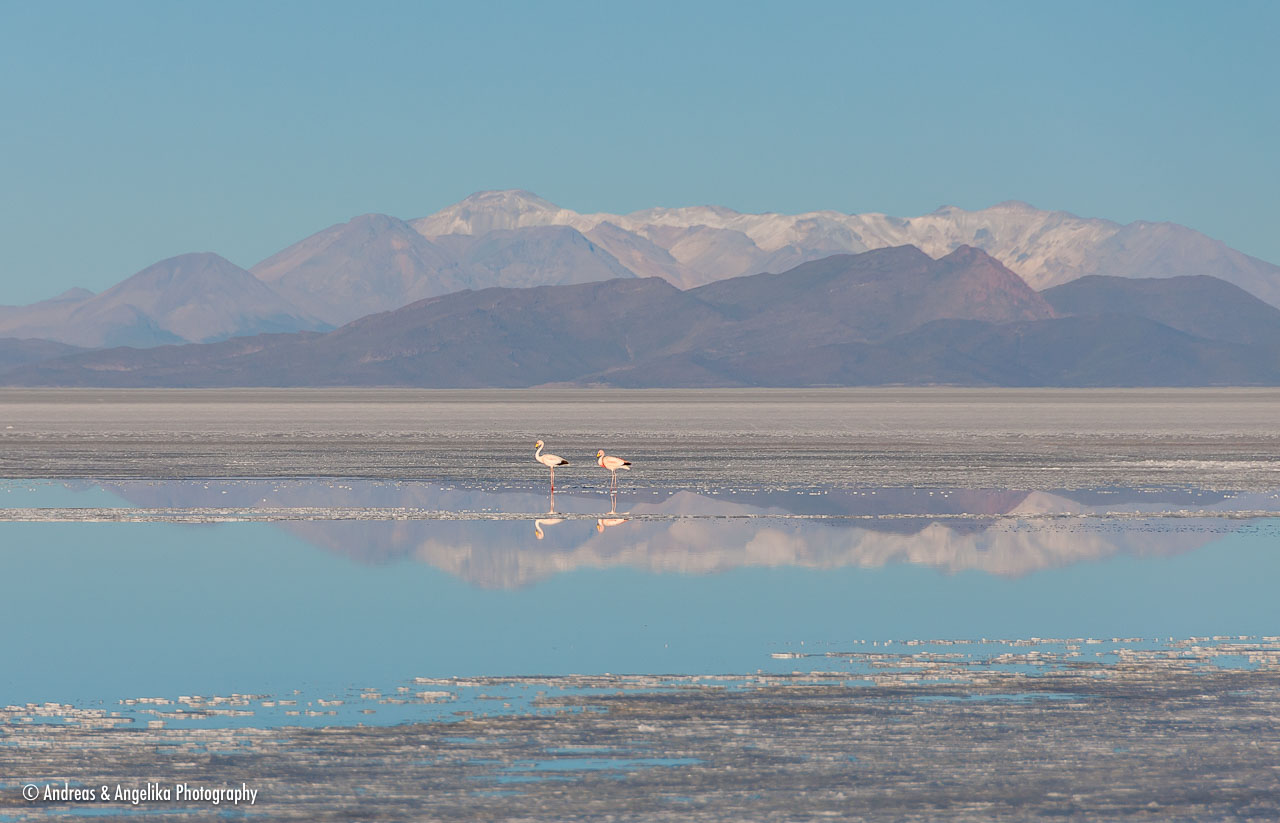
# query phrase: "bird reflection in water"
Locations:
[[547, 521], [603, 523]]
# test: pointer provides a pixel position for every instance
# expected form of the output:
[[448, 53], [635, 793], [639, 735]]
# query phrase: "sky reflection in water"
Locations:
[[711, 583]]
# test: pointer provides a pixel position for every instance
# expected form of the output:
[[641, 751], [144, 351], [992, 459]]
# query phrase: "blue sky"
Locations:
[[133, 131]]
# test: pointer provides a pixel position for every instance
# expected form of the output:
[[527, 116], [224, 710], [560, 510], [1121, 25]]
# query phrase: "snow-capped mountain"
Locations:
[[377, 263], [708, 243], [515, 239], [487, 211]]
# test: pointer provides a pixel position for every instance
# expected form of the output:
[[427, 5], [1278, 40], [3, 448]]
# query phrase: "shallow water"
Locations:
[[790, 589], [326, 601]]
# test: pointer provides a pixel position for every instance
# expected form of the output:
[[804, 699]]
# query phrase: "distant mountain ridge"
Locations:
[[376, 263], [193, 297], [1200, 305], [886, 317], [16, 352], [1045, 248]]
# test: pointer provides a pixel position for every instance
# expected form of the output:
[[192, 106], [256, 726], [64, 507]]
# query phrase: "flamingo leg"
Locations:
[[553, 478]]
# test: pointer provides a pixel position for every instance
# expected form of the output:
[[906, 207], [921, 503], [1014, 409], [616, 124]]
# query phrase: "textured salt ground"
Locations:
[[1150, 740], [1023, 439]]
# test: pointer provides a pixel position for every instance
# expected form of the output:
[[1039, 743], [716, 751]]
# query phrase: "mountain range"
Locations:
[[888, 316], [514, 239], [707, 243], [193, 297]]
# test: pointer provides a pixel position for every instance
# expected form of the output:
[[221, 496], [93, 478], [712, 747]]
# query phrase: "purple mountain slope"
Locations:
[[535, 256], [846, 320], [369, 264], [1201, 306], [695, 245], [16, 352], [193, 297], [868, 297], [377, 263]]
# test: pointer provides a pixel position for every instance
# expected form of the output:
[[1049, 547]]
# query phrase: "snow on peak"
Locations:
[[699, 244], [487, 211]]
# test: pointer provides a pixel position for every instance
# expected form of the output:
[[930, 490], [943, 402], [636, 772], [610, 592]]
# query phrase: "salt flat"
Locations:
[[1156, 737], [367, 604], [960, 438]]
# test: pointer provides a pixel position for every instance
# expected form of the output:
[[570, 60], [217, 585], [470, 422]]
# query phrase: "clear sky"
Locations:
[[133, 131]]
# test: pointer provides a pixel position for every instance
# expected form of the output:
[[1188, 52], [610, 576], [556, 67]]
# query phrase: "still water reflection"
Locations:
[[330, 588]]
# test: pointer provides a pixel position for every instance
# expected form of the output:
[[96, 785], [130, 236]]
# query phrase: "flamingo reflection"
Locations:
[[603, 523], [547, 521]]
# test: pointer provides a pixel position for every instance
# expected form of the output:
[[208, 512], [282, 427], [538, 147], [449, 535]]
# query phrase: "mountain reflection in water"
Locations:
[[516, 536]]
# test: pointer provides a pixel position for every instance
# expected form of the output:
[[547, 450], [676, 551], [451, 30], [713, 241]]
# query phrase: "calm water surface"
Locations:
[[369, 591]]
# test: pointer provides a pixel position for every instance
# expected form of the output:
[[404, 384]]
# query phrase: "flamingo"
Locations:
[[606, 461], [550, 461]]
